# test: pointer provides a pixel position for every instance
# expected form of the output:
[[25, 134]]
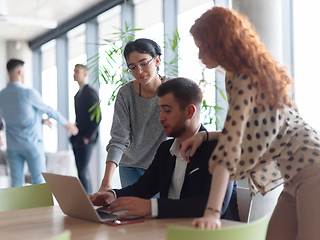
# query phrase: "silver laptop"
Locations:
[[73, 199]]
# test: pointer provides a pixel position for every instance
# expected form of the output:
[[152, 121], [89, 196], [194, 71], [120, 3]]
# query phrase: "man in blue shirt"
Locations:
[[22, 110]]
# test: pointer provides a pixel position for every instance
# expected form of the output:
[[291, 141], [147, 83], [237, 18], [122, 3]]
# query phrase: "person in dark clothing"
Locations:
[[86, 103], [183, 186]]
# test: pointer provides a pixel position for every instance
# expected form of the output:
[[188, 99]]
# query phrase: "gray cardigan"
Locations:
[[136, 132]]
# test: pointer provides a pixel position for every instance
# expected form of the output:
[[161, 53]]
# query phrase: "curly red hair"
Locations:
[[231, 39]]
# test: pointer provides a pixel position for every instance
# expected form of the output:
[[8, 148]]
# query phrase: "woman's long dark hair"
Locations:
[[142, 45]]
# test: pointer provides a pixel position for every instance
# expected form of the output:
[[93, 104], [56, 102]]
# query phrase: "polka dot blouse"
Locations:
[[268, 147]]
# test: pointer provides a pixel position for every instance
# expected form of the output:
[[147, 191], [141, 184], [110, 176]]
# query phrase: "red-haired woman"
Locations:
[[264, 138]]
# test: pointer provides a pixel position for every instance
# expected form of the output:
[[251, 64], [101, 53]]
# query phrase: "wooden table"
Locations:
[[45, 222]]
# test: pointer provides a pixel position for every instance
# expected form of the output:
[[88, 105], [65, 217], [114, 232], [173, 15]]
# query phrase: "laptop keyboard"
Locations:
[[104, 215]]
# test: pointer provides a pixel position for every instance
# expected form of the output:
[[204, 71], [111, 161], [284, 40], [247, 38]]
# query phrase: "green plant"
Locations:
[[95, 112], [105, 65], [212, 114], [171, 68], [109, 64], [220, 112]]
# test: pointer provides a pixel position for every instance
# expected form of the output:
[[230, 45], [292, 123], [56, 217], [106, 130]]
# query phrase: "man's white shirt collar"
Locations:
[[178, 175], [175, 147]]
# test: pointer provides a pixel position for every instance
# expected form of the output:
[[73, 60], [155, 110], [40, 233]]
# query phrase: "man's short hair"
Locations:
[[84, 67], [13, 63], [184, 90]]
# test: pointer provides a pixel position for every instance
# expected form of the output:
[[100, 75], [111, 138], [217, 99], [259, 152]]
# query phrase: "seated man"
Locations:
[[184, 186]]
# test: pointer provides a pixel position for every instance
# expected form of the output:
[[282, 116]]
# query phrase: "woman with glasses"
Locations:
[[136, 132], [264, 137]]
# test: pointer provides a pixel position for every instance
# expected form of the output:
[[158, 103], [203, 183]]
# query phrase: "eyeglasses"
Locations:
[[143, 66]]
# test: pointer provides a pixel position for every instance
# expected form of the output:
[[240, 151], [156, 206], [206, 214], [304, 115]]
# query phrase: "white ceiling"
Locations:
[[26, 29]]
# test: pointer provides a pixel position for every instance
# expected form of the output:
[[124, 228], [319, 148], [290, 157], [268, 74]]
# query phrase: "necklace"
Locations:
[[161, 79]]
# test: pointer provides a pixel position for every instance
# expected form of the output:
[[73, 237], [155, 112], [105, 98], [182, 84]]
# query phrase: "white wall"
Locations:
[[9, 49], [20, 50]]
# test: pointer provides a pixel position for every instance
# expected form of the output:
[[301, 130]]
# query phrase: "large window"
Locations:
[[189, 64], [49, 93], [77, 55], [109, 23], [148, 17], [307, 51]]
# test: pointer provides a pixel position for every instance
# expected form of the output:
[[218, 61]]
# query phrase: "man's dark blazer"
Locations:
[[83, 101], [195, 189]]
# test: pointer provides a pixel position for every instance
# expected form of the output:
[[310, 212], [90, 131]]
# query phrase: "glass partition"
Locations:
[[49, 93]]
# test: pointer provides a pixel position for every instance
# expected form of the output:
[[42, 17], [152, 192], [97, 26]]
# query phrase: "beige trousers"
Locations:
[[297, 213]]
